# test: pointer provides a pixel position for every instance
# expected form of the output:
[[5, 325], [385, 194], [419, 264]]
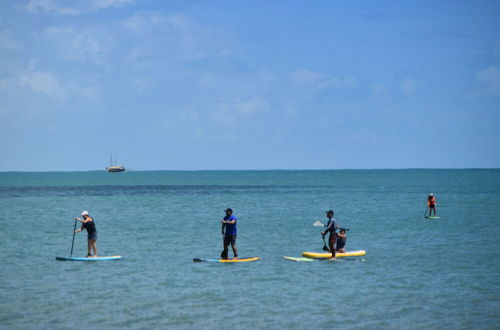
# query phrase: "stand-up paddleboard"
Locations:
[[432, 217], [90, 258], [323, 255], [226, 260], [298, 259]]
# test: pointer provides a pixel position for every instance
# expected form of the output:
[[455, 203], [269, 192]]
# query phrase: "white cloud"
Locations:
[[181, 39], [73, 8], [82, 45], [252, 105], [8, 42], [409, 85], [306, 77], [42, 82], [490, 80], [379, 92], [32, 88], [320, 81]]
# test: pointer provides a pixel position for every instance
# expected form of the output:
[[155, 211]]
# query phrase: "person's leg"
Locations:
[[233, 246], [339, 246], [94, 246], [224, 253], [435, 213], [331, 243], [89, 246]]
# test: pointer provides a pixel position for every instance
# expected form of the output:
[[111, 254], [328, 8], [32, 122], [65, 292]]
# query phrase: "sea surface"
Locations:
[[417, 274]]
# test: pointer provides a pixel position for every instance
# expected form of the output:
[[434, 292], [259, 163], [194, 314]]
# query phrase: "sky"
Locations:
[[208, 85]]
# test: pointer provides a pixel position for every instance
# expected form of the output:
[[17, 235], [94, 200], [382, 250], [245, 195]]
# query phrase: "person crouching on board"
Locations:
[[229, 232], [331, 227], [341, 239], [89, 225], [431, 204]]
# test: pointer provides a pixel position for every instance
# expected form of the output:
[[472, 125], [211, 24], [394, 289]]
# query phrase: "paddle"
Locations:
[[73, 242], [425, 214], [325, 248]]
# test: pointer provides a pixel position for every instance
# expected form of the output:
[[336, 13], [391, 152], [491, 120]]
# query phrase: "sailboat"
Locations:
[[114, 168]]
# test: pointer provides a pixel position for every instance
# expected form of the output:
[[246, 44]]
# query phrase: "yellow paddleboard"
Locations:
[[323, 255]]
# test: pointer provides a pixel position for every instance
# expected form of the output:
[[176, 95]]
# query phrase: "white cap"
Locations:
[[431, 194], [85, 213]]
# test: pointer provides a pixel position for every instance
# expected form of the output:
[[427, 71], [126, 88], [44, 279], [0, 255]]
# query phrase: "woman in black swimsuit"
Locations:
[[89, 225]]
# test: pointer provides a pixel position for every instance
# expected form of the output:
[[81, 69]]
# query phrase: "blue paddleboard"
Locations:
[[90, 258]]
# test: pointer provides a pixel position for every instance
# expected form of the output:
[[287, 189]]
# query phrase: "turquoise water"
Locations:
[[417, 273]]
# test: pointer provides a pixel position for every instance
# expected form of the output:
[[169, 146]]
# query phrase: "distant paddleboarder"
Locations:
[[89, 225], [229, 232], [431, 204], [331, 227]]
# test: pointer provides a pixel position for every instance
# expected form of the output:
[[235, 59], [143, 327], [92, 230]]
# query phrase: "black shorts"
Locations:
[[432, 206], [92, 236], [340, 244], [229, 239]]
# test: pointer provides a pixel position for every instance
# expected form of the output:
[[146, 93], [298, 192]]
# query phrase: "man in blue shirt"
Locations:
[[331, 227], [229, 233]]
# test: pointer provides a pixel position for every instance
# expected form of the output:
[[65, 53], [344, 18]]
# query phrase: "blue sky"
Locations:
[[249, 84]]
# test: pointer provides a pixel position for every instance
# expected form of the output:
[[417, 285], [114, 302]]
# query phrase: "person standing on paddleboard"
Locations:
[[229, 232], [431, 204], [331, 227], [89, 225]]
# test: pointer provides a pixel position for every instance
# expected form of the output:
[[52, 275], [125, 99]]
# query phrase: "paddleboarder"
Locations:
[[331, 227], [89, 225], [431, 204], [229, 232]]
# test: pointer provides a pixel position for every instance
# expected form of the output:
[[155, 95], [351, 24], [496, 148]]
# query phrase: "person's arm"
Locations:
[[79, 230], [223, 227], [230, 221], [328, 227], [89, 219], [79, 219]]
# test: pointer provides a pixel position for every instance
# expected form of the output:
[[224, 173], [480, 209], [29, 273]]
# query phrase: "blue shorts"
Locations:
[[92, 236]]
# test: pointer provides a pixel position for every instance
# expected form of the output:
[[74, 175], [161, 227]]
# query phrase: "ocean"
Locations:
[[417, 273]]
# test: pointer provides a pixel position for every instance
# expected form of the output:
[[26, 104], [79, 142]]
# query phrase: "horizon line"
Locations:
[[264, 170]]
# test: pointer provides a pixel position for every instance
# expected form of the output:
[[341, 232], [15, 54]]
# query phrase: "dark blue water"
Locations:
[[417, 273]]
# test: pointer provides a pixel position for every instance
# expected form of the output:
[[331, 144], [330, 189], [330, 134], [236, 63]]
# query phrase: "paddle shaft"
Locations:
[[73, 242], [325, 248], [425, 214]]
